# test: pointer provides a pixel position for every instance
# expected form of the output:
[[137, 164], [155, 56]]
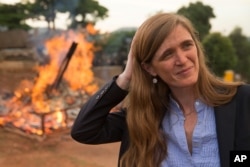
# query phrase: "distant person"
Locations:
[[176, 113]]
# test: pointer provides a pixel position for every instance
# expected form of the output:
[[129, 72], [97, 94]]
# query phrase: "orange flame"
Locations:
[[78, 76]]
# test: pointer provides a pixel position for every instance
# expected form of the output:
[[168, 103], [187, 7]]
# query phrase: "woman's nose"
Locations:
[[180, 57]]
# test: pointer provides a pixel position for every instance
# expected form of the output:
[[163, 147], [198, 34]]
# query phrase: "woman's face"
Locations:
[[176, 60]]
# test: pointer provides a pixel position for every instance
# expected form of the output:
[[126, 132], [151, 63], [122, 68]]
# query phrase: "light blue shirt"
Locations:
[[205, 152]]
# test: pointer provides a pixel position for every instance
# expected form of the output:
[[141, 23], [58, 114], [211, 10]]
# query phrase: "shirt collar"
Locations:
[[199, 105]]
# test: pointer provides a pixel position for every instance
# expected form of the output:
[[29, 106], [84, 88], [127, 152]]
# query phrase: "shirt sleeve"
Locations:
[[95, 124]]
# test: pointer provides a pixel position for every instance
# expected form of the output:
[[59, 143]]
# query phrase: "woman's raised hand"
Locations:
[[124, 78]]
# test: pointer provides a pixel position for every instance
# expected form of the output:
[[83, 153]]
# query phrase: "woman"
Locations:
[[176, 112]]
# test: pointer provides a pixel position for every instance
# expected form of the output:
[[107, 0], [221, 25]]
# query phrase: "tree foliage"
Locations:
[[200, 15], [117, 40], [242, 46], [44, 10], [14, 20], [48, 9], [220, 53], [80, 12], [115, 47], [90, 8]]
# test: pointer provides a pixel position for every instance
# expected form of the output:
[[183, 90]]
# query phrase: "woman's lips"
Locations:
[[184, 71]]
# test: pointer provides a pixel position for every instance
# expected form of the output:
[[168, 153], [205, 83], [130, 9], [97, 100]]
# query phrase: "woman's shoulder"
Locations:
[[243, 91]]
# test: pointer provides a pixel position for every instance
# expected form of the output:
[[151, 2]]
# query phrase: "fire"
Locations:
[[36, 105], [90, 28]]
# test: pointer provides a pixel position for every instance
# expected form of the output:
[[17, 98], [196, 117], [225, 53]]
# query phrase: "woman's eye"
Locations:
[[168, 54], [187, 45]]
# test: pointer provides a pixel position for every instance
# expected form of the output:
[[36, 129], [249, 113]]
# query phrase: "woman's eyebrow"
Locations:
[[187, 41], [162, 55]]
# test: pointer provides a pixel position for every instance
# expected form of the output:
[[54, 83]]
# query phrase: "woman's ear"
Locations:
[[148, 67]]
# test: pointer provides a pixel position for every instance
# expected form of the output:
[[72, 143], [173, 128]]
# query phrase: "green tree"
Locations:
[[14, 20], [77, 9], [200, 15], [87, 11], [242, 46], [44, 10], [220, 53], [115, 46]]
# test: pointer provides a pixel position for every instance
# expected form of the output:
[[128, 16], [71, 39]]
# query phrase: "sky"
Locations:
[[131, 13]]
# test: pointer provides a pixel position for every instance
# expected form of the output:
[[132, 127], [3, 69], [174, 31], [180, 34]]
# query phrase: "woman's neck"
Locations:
[[185, 98]]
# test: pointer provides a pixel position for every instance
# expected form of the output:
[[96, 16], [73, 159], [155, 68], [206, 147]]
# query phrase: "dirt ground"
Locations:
[[56, 150]]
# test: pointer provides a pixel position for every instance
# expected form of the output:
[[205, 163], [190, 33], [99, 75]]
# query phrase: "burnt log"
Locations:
[[63, 67]]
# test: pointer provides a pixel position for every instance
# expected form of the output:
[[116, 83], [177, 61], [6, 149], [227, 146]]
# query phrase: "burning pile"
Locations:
[[41, 106]]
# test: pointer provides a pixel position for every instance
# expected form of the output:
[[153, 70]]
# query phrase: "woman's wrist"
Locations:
[[123, 82]]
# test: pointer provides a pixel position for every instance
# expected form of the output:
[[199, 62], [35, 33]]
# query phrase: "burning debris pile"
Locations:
[[52, 99]]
